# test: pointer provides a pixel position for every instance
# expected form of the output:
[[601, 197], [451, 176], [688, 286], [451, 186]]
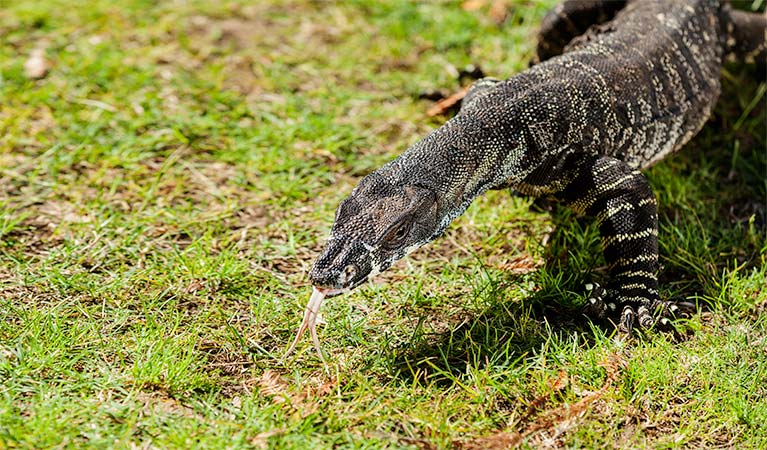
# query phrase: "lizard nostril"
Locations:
[[322, 277]]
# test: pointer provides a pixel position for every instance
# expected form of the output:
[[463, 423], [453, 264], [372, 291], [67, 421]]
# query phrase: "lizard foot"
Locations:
[[644, 313]]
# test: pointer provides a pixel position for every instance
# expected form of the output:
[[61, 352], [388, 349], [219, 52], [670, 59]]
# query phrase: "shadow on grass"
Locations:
[[504, 333], [713, 214]]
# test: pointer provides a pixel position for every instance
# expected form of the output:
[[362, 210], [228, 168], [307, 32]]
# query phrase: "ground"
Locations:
[[169, 170]]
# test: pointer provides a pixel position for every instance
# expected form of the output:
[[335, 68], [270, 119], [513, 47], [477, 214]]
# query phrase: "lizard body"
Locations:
[[578, 127]]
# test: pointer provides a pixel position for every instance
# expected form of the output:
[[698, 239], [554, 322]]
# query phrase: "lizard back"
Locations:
[[635, 89]]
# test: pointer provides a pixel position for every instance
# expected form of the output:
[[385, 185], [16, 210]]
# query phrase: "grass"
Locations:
[[166, 186]]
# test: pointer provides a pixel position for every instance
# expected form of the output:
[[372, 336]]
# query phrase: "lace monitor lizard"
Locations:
[[620, 85]]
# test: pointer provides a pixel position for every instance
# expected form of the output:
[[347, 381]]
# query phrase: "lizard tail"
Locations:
[[746, 35]]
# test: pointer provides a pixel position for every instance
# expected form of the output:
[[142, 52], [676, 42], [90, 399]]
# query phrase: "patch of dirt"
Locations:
[[54, 212], [14, 293], [210, 37], [496, 10], [258, 227], [261, 440], [551, 424], [303, 400], [158, 402], [246, 43], [228, 361], [33, 123], [35, 236], [522, 264]]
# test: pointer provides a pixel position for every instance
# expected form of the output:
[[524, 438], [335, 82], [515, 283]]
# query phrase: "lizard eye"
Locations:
[[396, 235]]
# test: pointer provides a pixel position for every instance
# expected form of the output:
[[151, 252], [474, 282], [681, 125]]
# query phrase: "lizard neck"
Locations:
[[460, 161]]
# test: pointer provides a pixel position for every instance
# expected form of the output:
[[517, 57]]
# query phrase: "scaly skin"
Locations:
[[577, 127]]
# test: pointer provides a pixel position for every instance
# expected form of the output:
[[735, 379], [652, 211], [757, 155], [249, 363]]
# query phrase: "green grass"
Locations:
[[167, 185]]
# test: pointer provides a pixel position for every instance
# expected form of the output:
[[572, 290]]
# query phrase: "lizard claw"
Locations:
[[642, 314], [644, 318], [596, 306], [627, 320]]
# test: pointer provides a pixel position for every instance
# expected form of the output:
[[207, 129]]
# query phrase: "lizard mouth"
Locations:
[[333, 292], [330, 292]]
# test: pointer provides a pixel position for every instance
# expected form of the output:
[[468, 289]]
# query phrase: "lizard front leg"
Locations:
[[621, 200]]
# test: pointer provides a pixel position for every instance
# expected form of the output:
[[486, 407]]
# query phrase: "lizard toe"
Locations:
[[644, 318], [627, 320], [596, 305], [682, 308], [660, 314]]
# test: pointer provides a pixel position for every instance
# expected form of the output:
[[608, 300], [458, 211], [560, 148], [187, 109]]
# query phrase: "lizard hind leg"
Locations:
[[746, 39], [570, 19], [622, 201]]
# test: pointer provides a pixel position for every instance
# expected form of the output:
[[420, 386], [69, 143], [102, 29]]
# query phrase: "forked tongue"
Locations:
[[310, 323]]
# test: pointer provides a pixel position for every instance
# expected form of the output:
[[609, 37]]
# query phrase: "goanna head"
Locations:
[[379, 223]]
